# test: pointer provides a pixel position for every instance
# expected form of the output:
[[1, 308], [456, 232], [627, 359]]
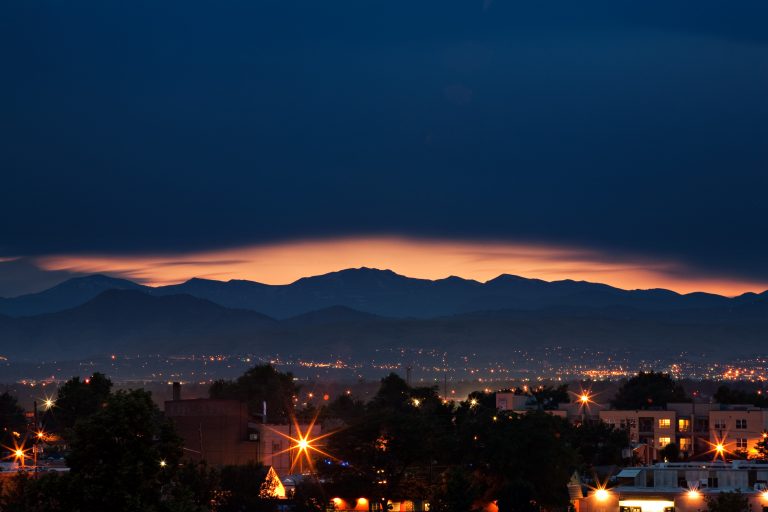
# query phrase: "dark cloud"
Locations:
[[20, 276], [628, 127]]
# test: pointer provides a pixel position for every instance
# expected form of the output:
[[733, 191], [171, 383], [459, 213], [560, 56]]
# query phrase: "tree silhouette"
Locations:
[[261, 383], [728, 502], [78, 400], [648, 390]]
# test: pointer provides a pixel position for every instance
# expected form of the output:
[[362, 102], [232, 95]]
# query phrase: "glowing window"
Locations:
[[664, 441], [665, 422], [685, 444], [683, 425]]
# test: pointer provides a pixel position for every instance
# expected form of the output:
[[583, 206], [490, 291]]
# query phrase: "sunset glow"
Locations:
[[429, 259]]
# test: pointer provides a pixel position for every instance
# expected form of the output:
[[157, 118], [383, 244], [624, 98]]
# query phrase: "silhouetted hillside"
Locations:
[[385, 293], [68, 294], [133, 321]]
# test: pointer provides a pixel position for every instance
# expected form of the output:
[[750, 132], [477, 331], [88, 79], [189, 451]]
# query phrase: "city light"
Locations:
[[163, 463], [49, 403], [694, 494], [719, 448], [18, 452], [473, 402], [303, 446], [584, 398], [601, 494], [416, 402]]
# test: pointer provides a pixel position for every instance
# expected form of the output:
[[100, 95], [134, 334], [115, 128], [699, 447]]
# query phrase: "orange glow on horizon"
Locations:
[[282, 263]]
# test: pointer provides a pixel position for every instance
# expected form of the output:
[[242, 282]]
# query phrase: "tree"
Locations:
[[47, 493], [261, 383], [670, 453], [762, 447], [597, 444], [726, 395], [501, 448], [728, 502], [124, 456], [647, 390], [242, 490], [77, 400], [11, 418], [395, 449], [549, 397], [309, 496], [456, 491]]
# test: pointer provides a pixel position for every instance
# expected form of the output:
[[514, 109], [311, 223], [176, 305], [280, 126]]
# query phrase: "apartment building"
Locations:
[[738, 428], [656, 429]]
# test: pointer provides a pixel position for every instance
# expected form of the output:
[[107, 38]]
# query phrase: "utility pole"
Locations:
[[35, 437]]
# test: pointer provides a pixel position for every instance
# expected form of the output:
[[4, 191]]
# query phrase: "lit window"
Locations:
[[683, 425], [741, 424], [685, 444], [665, 422], [741, 443], [664, 441]]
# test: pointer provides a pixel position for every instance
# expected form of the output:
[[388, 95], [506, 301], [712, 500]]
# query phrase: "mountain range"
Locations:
[[380, 292], [357, 311]]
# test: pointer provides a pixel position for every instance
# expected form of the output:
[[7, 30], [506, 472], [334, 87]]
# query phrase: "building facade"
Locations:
[[679, 487], [222, 432]]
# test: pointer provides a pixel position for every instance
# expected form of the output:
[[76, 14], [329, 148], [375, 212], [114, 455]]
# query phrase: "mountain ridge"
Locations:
[[133, 321], [379, 292]]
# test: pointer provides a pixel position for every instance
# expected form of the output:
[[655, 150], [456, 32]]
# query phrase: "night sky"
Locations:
[[624, 135]]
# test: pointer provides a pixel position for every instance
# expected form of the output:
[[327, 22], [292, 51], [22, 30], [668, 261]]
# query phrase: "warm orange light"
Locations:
[[694, 494], [163, 463], [473, 402], [281, 263], [302, 445], [19, 454], [719, 448], [584, 399], [48, 403], [601, 494], [416, 402], [362, 501]]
